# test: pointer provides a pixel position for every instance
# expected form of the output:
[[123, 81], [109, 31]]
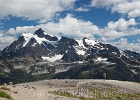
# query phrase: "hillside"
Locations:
[[39, 55]]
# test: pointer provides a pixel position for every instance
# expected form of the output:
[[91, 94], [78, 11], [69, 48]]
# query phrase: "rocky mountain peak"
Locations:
[[41, 44], [40, 33]]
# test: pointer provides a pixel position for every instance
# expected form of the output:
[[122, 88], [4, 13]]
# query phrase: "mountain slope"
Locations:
[[61, 57]]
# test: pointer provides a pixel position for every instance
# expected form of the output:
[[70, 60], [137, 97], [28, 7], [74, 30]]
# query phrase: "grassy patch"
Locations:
[[137, 82], [5, 95]]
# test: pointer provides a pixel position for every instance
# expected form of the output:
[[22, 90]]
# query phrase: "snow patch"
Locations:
[[81, 48], [6, 70], [48, 34], [66, 51], [34, 45], [53, 58], [122, 53], [134, 71], [27, 37], [39, 40], [90, 42], [102, 48], [80, 42], [101, 59], [80, 52], [18, 67], [17, 46], [114, 53]]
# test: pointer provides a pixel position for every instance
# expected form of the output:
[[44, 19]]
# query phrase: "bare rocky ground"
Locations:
[[82, 89]]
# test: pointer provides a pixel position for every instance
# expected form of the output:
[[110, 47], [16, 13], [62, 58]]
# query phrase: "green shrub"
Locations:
[[5, 95]]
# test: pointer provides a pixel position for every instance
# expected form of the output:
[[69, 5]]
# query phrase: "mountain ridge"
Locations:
[[42, 53]]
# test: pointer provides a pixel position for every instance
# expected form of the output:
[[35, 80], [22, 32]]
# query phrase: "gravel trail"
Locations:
[[40, 90]]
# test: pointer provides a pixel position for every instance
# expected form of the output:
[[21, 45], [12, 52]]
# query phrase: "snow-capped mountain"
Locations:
[[45, 46], [31, 45], [41, 52]]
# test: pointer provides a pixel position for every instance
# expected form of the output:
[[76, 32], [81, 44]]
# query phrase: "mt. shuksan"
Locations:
[[42, 45], [41, 53]]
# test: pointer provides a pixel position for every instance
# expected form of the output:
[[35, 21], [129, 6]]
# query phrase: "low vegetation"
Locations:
[[97, 91], [5, 95], [119, 71], [20, 76]]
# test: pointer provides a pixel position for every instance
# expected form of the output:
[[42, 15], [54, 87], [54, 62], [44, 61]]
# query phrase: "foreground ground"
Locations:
[[66, 89]]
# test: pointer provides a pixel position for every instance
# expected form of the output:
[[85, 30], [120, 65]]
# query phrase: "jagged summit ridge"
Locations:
[[46, 46], [40, 36], [49, 45]]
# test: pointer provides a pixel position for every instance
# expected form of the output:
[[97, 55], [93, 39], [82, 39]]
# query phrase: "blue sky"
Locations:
[[108, 21]]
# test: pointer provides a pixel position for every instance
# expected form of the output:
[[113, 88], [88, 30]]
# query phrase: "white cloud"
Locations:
[[19, 30], [82, 9], [122, 24], [34, 9], [77, 28], [68, 26], [119, 29], [134, 13], [123, 44], [138, 40], [110, 35], [129, 7], [103, 3], [5, 39], [126, 6], [1, 33], [6, 42]]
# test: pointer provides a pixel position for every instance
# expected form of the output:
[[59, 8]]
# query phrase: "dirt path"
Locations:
[[40, 90], [36, 91]]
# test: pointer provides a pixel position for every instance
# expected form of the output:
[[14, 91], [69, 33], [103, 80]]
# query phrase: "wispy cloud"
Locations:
[[82, 9], [68, 26], [129, 7], [104, 3], [42, 10], [5, 40], [123, 44]]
